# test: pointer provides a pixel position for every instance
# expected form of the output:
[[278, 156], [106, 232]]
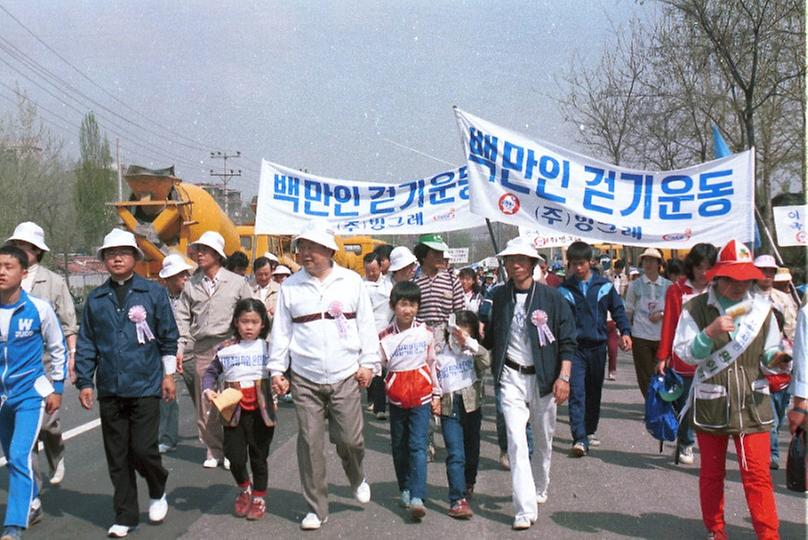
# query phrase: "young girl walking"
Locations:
[[249, 431], [459, 368]]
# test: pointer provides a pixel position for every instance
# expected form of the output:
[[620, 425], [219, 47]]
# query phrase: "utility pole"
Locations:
[[226, 175], [118, 163]]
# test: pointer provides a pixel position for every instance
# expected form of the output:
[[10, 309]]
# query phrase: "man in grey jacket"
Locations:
[[204, 314], [51, 287]]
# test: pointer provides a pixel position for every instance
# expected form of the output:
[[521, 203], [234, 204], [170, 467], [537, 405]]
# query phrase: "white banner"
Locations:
[[542, 186], [288, 199], [459, 255], [789, 222]]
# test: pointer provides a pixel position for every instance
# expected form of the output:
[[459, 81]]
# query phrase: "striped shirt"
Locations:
[[441, 296]]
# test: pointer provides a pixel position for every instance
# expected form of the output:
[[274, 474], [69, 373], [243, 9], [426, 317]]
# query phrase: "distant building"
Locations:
[[233, 200]]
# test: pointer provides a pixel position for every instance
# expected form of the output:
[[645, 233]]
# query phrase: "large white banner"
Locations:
[[789, 221], [542, 186], [288, 199]]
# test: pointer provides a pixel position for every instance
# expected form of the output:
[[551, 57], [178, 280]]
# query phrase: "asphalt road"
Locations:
[[624, 489]]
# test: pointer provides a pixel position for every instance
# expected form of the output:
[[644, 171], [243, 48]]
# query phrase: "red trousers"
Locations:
[[754, 460], [611, 344]]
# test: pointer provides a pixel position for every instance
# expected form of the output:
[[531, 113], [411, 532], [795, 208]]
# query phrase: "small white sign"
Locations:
[[789, 222], [459, 255]]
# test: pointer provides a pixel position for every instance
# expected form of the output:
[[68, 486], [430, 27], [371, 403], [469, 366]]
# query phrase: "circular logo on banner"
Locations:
[[509, 204], [801, 237]]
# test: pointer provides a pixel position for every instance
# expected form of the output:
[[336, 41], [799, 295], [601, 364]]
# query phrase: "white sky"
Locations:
[[306, 84]]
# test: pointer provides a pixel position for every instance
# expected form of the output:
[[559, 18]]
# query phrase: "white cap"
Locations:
[[282, 270], [521, 245], [213, 240], [319, 232], [401, 257], [783, 275], [765, 261], [174, 264], [30, 232], [119, 238], [271, 257]]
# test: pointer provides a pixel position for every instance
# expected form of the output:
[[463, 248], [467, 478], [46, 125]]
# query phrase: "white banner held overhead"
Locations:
[[789, 222], [542, 186], [288, 199]]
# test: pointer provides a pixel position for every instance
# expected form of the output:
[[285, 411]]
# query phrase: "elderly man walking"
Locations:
[[531, 334], [204, 314], [324, 329]]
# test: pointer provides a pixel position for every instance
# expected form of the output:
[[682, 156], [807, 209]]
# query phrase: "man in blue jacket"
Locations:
[[591, 296], [531, 336], [28, 326], [128, 344]]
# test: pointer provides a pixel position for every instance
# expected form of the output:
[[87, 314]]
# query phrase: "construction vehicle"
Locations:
[[167, 214]]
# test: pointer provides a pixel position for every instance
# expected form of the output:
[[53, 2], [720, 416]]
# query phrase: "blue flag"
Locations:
[[720, 148]]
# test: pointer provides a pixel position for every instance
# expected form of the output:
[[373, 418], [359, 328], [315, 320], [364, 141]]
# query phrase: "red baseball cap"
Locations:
[[735, 262]]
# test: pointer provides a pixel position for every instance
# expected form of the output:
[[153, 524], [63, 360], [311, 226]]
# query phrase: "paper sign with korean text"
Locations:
[[545, 239], [542, 186], [458, 255], [789, 222], [288, 199]]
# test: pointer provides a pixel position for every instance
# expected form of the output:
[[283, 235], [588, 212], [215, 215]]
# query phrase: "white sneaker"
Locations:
[[58, 473], [593, 440], [119, 531], [522, 522], [311, 522], [226, 464], [210, 463], [686, 456], [165, 448], [158, 508], [541, 497], [362, 493]]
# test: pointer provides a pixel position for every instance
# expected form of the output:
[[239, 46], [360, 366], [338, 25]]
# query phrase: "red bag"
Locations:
[[778, 381], [409, 389]]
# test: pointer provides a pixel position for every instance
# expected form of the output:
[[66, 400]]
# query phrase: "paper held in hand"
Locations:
[[226, 402]]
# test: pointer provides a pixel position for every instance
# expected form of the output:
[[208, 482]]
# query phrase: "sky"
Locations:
[[349, 89]]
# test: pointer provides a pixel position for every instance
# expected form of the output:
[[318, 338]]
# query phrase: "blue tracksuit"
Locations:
[[32, 327], [590, 302]]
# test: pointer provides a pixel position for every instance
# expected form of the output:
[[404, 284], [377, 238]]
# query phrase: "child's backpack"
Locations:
[[660, 418]]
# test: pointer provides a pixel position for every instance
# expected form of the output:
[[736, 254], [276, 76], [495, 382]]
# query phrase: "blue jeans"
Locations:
[[461, 434], [685, 436], [779, 404], [586, 386], [408, 438], [502, 432]]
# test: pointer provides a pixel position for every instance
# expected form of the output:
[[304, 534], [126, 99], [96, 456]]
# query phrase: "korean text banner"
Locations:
[[542, 186], [288, 199], [789, 222]]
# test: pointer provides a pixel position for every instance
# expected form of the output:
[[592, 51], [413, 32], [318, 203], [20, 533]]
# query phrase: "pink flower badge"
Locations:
[[539, 320], [137, 314], [335, 311]]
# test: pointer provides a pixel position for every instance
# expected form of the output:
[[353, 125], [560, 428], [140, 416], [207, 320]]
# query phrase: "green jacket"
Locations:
[[735, 400]]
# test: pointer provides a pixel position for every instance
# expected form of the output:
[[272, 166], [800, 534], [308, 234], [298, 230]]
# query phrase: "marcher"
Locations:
[[203, 316], [324, 330], [280, 274], [784, 304], [265, 288], [782, 280], [645, 307], [402, 264], [51, 287], [127, 344], [378, 287], [441, 293], [531, 336], [798, 415], [384, 251], [460, 369], [408, 354], [591, 296], [472, 293], [698, 261], [241, 362], [730, 335], [237, 263], [28, 325], [175, 272]]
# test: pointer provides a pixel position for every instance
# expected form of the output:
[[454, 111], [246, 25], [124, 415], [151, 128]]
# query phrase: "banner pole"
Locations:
[[501, 273], [777, 255]]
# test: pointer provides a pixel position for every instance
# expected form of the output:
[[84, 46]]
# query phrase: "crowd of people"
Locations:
[[419, 338]]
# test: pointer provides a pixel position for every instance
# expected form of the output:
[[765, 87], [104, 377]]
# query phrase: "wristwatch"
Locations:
[[565, 378]]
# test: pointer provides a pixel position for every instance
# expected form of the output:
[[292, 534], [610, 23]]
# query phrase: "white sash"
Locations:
[[749, 325]]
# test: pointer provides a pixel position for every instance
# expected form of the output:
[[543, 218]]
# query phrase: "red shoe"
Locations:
[[242, 503], [461, 510], [257, 509]]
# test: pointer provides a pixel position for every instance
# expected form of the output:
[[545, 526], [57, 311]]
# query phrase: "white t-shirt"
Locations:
[[5, 322], [244, 361], [455, 370], [407, 350], [518, 346]]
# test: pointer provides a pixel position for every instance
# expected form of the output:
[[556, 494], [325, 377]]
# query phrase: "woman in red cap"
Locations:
[[732, 336]]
